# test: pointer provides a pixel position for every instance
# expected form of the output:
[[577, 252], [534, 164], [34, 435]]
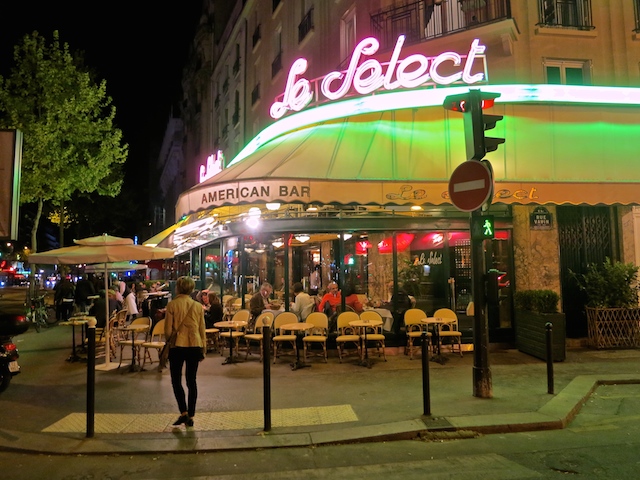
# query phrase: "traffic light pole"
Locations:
[[482, 385]]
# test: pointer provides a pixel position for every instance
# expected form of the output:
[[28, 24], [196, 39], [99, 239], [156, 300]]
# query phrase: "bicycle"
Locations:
[[40, 314]]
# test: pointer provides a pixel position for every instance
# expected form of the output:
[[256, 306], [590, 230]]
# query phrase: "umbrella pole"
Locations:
[[107, 356]]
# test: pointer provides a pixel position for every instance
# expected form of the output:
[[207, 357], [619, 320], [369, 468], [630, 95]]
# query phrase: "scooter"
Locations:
[[11, 324]]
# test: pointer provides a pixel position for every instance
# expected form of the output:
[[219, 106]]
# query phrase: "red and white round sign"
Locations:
[[470, 185]]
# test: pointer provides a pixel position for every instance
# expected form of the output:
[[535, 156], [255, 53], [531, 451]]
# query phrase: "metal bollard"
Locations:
[[549, 337], [91, 376], [266, 369], [426, 391]]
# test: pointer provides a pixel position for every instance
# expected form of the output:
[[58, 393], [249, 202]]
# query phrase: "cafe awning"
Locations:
[[554, 154]]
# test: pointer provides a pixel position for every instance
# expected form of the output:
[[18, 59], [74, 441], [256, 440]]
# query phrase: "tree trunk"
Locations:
[[61, 223], [34, 230]]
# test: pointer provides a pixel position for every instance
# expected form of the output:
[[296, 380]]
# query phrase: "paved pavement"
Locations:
[[44, 408]]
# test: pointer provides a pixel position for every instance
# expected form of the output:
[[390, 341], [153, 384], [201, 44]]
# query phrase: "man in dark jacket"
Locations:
[[63, 292], [84, 289]]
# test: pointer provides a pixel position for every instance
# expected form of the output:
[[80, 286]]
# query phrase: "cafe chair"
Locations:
[[374, 333], [138, 339], [263, 320], [449, 329], [317, 335], [347, 335], [212, 339], [233, 336], [283, 338], [156, 342], [414, 328]]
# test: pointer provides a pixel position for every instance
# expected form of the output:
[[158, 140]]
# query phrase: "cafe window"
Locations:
[[567, 72]]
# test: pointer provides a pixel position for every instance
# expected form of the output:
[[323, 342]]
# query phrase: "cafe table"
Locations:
[[363, 325], [298, 328], [436, 323], [230, 325], [73, 322], [133, 329]]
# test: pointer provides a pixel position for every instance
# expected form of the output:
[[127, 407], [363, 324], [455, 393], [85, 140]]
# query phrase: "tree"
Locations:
[[70, 142]]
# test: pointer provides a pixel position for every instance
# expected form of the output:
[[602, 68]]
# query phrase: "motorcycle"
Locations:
[[11, 324]]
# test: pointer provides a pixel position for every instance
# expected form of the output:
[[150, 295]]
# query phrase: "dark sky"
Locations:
[[139, 48]]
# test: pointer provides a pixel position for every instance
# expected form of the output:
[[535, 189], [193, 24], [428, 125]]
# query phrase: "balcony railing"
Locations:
[[276, 65], [423, 20], [255, 94], [566, 14], [306, 25], [256, 36]]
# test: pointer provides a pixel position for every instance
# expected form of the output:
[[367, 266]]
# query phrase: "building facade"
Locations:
[[316, 147]]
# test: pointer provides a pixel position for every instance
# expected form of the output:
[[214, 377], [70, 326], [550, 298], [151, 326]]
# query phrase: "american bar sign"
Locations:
[[413, 71]]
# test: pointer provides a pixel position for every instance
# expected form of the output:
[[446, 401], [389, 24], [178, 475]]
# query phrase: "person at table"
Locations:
[[215, 312], [99, 311], [331, 300], [400, 302], [186, 317], [303, 304], [64, 290], [351, 299], [259, 302], [130, 301], [84, 289]]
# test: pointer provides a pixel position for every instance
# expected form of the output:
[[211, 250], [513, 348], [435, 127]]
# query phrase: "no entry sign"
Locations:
[[470, 185]]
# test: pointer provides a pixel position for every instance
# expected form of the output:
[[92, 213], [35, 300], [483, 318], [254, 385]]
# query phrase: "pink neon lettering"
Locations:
[[297, 93], [476, 49], [368, 46]]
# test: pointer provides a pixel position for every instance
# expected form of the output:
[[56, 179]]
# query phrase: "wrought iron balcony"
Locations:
[[255, 94], [306, 25], [256, 36], [566, 14], [427, 19], [276, 65]]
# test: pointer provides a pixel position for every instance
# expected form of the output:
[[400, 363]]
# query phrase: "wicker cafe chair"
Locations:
[[449, 329], [317, 335], [347, 335], [138, 338], [414, 328], [233, 336], [374, 333], [263, 320], [156, 342], [283, 338]]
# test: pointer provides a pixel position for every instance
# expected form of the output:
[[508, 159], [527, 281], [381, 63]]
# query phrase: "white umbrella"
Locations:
[[103, 249], [116, 267]]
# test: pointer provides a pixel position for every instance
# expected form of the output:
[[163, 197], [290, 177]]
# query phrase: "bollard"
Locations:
[[266, 369], [426, 391], [549, 334], [91, 375]]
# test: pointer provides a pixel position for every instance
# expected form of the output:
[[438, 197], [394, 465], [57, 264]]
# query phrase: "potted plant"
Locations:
[[613, 316], [534, 309]]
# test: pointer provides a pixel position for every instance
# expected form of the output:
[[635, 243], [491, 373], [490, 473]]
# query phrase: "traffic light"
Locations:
[[476, 123], [482, 227]]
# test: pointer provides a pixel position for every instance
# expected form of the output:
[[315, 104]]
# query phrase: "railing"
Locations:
[[255, 94], [306, 25], [256, 36], [424, 20], [276, 65], [566, 13]]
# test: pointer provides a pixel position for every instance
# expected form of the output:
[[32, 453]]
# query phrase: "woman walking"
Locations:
[[186, 317]]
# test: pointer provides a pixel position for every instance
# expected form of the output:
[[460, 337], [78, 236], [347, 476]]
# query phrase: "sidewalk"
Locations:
[[44, 408]]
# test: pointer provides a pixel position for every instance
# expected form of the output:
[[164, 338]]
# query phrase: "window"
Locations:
[[566, 13], [276, 65], [347, 33], [306, 22], [567, 72]]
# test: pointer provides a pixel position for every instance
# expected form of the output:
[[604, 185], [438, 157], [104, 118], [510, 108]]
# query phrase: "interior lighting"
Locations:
[[312, 208], [277, 243], [273, 206], [416, 208], [345, 236], [302, 237]]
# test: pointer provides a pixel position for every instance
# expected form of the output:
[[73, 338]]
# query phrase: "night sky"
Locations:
[[139, 48]]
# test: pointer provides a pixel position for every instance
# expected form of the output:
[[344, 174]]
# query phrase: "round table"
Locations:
[[133, 329], [298, 328], [435, 322], [230, 325], [73, 321], [363, 324]]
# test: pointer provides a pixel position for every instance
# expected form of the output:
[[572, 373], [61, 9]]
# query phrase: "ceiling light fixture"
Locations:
[[277, 243], [273, 206], [302, 237]]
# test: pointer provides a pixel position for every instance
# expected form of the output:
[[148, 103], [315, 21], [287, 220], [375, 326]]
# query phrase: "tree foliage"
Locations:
[[71, 144], [610, 284]]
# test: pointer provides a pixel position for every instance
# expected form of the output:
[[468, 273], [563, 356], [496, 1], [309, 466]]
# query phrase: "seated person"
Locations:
[[331, 300], [259, 302], [214, 313], [303, 304], [99, 311], [351, 299], [400, 302]]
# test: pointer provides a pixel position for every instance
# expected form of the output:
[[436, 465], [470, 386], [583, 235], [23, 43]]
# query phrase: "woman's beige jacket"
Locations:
[[187, 316]]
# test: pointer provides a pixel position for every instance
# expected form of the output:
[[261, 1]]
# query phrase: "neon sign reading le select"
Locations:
[[411, 72]]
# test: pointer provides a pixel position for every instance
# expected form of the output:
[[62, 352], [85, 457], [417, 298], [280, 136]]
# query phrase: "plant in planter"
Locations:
[[613, 315], [534, 309]]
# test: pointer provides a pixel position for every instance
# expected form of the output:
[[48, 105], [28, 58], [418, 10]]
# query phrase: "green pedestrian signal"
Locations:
[[482, 227]]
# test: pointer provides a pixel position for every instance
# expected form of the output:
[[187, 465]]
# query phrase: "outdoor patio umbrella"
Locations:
[[103, 249], [115, 267]]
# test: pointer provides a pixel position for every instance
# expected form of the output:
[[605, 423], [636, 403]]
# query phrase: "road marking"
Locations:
[[467, 186]]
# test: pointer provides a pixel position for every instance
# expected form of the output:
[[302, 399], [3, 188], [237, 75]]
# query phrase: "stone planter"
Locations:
[[613, 327], [531, 334]]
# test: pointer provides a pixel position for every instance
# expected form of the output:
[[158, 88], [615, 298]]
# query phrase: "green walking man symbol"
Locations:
[[487, 228]]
